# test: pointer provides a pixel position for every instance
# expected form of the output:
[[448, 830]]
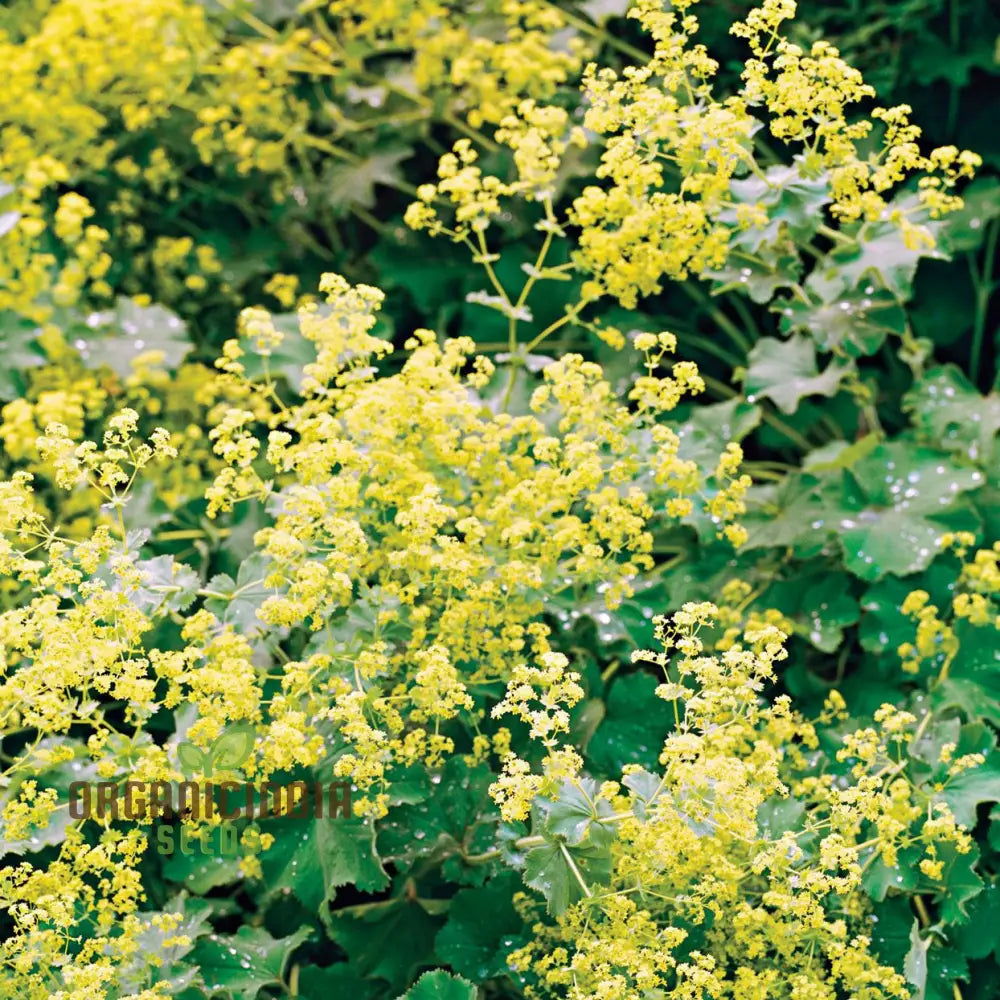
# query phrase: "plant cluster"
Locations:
[[659, 642]]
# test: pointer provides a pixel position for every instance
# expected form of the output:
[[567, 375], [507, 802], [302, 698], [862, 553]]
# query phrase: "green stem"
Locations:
[[718, 316], [769, 418], [575, 870], [983, 282], [594, 31]]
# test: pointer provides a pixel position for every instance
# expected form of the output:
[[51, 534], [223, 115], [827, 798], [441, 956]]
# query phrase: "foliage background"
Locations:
[[834, 543]]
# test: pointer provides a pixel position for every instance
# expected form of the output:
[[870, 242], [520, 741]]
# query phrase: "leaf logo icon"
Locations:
[[228, 751]]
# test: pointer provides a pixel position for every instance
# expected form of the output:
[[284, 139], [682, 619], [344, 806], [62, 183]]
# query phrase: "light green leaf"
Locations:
[[242, 597], [548, 870], [19, 350], [785, 371], [171, 967], [243, 962], [315, 856], [951, 414], [968, 789], [351, 184], [576, 815], [167, 585], [440, 985], [915, 963], [118, 336], [894, 523], [880, 254], [193, 760], [857, 321]]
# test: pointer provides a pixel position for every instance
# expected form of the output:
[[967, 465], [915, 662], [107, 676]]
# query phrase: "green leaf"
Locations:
[[973, 685], [926, 748], [172, 969], [904, 876], [893, 525], [388, 940], [708, 428], [334, 981], [577, 814], [968, 789], [80, 767], [422, 824], [315, 856], [880, 254], [950, 414], [645, 787], [915, 963], [945, 967], [820, 603], [977, 698], [759, 274], [481, 922], [793, 200], [243, 962], [880, 542], [891, 929], [963, 228], [548, 870], [115, 338], [199, 873], [242, 597], [980, 934], [19, 350], [785, 371], [634, 726], [777, 816], [883, 625], [440, 985], [353, 184], [837, 455], [961, 883], [600, 10], [796, 511], [167, 585], [704, 435], [289, 358], [857, 322]]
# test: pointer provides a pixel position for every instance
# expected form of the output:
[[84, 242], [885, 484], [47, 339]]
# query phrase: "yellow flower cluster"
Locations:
[[80, 89], [974, 606], [79, 400], [101, 882], [484, 64], [409, 523], [807, 94], [87, 80], [401, 499], [663, 204], [406, 491], [701, 895]]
